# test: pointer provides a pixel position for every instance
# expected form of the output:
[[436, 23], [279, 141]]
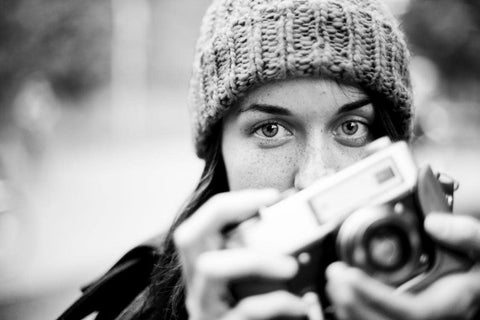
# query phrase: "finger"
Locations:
[[202, 231], [358, 311], [268, 306], [221, 210], [215, 270], [454, 296], [460, 232], [314, 308], [347, 301], [225, 265]]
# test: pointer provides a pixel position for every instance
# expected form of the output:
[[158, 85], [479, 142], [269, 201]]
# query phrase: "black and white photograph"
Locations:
[[239, 160]]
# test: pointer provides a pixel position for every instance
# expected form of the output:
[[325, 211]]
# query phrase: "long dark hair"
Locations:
[[166, 296]]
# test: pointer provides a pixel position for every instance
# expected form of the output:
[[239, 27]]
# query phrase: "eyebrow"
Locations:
[[281, 111], [354, 105], [267, 108]]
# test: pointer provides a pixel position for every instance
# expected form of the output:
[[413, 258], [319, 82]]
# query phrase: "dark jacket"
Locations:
[[121, 290]]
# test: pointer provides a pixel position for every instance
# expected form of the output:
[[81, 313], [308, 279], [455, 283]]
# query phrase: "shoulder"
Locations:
[[124, 285]]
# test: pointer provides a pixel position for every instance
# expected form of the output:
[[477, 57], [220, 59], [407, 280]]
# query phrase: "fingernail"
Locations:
[[436, 223], [288, 267], [270, 195], [310, 298], [336, 269], [272, 191], [287, 193], [274, 194]]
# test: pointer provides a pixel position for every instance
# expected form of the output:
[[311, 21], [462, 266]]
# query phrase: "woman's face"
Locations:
[[288, 134]]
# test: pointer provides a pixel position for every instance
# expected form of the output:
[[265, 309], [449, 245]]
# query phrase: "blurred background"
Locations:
[[95, 149]]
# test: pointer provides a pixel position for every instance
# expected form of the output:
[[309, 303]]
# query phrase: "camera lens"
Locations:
[[388, 247]]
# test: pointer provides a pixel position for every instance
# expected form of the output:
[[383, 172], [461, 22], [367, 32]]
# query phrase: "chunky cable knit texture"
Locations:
[[244, 43]]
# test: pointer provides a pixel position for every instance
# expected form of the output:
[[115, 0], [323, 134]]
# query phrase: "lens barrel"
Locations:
[[382, 241]]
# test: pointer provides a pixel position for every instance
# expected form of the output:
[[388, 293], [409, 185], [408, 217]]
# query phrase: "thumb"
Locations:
[[459, 232]]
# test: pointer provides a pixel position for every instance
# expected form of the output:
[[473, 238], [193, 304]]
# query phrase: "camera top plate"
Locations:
[[316, 211]]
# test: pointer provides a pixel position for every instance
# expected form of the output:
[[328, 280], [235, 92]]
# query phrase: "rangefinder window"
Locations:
[[364, 185], [385, 175]]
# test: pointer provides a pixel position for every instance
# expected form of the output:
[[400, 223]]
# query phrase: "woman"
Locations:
[[285, 93]]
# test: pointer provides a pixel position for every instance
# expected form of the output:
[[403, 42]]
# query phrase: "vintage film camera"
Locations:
[[369, 215]]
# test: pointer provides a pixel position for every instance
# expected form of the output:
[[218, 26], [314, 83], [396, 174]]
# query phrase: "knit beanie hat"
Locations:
[[244, 43]]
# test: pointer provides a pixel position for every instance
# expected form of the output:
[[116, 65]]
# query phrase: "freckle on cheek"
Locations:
[[264, 170]]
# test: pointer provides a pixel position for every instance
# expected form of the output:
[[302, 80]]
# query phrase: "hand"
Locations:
[[355, 295], [208, 268]]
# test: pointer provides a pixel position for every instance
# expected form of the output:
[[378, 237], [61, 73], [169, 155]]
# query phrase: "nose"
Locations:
[[314, 163]]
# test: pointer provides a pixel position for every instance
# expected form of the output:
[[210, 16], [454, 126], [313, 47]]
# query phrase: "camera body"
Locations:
[[369, 215]]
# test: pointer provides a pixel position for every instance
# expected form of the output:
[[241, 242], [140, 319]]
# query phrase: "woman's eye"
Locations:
[[353, 133], [350, 127], [272, 130]]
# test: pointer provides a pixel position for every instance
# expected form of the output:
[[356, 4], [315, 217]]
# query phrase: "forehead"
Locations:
[[302, 91]]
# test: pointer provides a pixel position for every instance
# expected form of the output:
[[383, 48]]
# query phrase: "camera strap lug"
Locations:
[[449, 186]]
